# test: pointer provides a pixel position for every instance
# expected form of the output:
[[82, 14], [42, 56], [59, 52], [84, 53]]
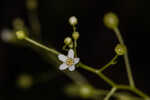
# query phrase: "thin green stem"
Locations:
[[64, 47], [106, 79], [116, 94], [95, 71], [35, 25], [74, 28], [75, 48], [110, 93], [135, 90], [126, 58], [108, 64], [113, 84], [75, 42], [119, 36], [101, 75], [41, 46]]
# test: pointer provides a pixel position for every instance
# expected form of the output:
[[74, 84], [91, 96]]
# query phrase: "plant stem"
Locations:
[[96, 71], [101, 75], [75, 48], [108, 64], [126, 58], [41, 45], [135, 90], [110, 93], [113, 84], [75, 42]]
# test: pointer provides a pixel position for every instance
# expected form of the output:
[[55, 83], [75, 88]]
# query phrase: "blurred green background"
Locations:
[[95, 46]]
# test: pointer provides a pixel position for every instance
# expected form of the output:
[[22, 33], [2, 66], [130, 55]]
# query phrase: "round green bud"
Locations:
[[24, 81], [75, 35], [73, 20], [67, 40], [120, 49], [86, 91], [31, 4], [111, 20], [70, 45], [20, 34], [18, 23]]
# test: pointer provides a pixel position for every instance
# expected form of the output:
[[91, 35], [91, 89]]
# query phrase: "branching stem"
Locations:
[[108, 64], [97, 72], [126, 58], [110, 93], [41, 46]]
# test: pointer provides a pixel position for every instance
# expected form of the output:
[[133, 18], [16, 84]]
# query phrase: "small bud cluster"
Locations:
[[75, 35]]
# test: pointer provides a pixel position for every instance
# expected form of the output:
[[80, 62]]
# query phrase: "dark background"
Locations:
[[96, 44]]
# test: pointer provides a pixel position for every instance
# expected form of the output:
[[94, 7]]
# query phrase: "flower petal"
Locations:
[[63, 66], [72, 68], [76, 60], [62, 58], [71, 53]]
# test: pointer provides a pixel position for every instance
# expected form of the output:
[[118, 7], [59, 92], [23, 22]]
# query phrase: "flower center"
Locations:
[[69, 62]]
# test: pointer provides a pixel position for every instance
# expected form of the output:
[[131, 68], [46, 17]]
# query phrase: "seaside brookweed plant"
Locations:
[[111, 21]]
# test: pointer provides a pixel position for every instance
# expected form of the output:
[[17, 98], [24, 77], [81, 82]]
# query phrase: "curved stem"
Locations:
[[135, 90], [113, 84], [117, 95], [110, 93], [126, 58], [95, 71], [41, 45], [119, 36], [101, 75], [108, 64]]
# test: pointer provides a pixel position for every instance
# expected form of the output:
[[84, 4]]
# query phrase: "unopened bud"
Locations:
[[25, 81], [86, 91], [75, 35], [111, 20], [20, 34], [73, 20], [120, 49], [67, 40]]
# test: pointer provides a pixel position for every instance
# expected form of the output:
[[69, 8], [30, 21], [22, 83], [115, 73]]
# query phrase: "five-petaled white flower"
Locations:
[[68, 61]]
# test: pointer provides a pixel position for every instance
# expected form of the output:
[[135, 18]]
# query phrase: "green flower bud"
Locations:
[[20, 34], [24, 81], [67, 40], [75, 35], [86, 91], [120, 49], [70, 45], [31, 4], [18, 23], [111, 20]]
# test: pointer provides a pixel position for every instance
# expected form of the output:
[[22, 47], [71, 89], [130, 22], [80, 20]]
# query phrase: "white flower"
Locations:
[[68, 61], [7, 35], [73, 20]]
